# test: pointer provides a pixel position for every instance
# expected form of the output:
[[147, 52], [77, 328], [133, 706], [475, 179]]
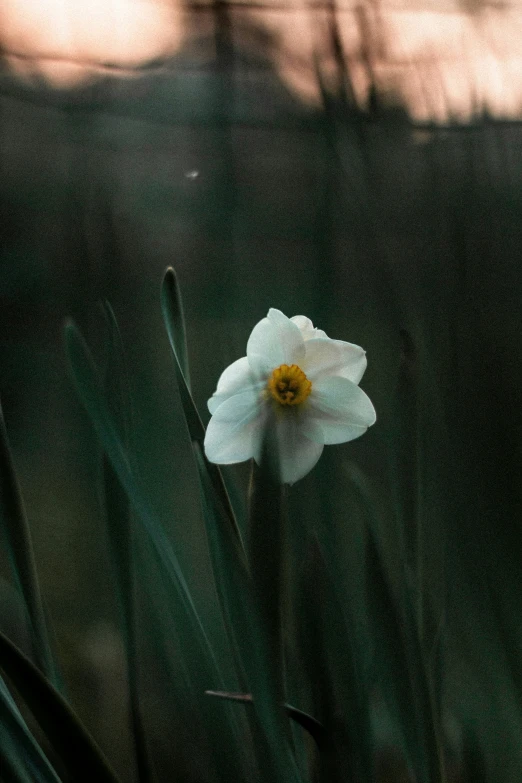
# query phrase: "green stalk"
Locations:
[[266, 557]]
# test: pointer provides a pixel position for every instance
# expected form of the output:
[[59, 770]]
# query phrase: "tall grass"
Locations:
[[365, 625], [346, 647]]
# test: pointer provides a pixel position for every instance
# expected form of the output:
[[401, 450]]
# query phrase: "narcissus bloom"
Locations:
[[297, 381]]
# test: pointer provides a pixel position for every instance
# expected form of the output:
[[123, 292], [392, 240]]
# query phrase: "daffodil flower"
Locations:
[[296, 380]]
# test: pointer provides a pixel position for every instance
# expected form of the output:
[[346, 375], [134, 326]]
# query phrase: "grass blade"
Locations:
[[312, 726], [92, 396], [183, 609], [21, 758], [175, 326], [182, 605], [339, 688], [229, 566], [22, 556], [174, 322], [403, 672], [120, 536], [72, 743]]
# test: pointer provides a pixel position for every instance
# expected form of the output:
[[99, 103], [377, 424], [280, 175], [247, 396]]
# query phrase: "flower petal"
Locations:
[[297, 453], [235, 430], [337, 411], [334, 357], [236, 378], [307, 328], [275, 340]]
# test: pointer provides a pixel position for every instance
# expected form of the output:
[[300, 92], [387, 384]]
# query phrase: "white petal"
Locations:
[[274, 341], [235, 430], [236, 378], [330, 431], [304, 323], [334, 357], [238, 373], [297, 453], [337, 411], [307, 328]]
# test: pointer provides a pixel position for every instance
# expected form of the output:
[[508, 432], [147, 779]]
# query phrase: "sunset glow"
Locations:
[[68, 41], [441, 63]]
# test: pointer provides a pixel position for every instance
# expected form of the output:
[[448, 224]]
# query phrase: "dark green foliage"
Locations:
[[15, 530], [21, 758], [341, 692], [194, 636], [77, 751], [92, 395], [122, 541]]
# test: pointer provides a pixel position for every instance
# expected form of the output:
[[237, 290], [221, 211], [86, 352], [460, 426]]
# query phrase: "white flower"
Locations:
[[300, 382]]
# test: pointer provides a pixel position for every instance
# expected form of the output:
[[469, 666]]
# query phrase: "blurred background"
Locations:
[[356, 162]]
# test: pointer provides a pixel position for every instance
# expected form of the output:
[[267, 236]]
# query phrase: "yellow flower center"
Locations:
[[288, 385]]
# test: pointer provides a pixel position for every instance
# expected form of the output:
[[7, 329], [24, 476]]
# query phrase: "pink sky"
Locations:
[[441, 61]]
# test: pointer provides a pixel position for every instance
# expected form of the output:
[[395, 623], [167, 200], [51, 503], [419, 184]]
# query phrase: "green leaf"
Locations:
[[172, 304], [228, 561], [174, 323], [69, 739], [402, 671], [92, 396], [21, 555], [340, 692], [21, 758], [182, 606], [120, 535], [312, 726]]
